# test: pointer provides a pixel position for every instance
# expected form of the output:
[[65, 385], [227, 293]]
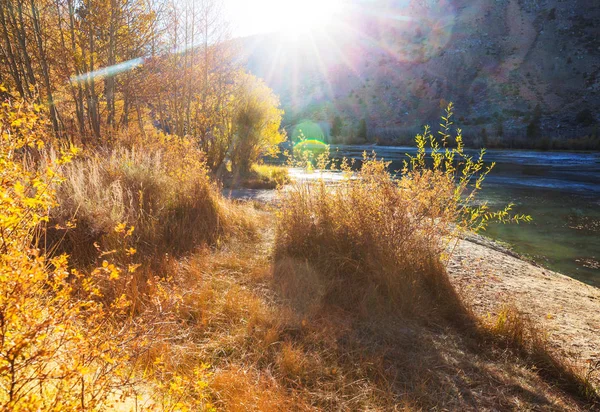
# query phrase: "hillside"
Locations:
[[524, 71]]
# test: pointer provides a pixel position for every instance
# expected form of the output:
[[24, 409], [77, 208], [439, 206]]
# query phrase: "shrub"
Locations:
[[59, 347], [378, 241], [162, 189], [271, 176]]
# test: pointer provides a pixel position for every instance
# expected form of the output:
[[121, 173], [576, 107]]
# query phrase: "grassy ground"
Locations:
[[332, 298], [272, 353]]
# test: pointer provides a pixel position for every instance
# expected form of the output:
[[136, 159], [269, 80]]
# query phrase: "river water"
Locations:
[[560, 190]]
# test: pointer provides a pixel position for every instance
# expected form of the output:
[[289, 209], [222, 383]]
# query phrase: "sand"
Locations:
[[569, 311]]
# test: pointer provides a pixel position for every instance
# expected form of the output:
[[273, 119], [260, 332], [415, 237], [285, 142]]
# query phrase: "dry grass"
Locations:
[[373, 247], [236, 389], [374, 243], [169, 200], [342, 303], [268, 350], [518, 333], [330, 310]]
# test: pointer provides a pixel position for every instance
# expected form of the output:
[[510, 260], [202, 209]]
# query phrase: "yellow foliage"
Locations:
[[64, 345], [256, 122], [47, 357], [464, 172]]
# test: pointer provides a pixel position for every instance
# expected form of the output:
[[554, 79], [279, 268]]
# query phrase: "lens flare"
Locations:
[[109, 71]]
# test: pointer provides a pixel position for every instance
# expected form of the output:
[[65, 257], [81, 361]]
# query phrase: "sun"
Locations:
[[249, 17], [303, 16]]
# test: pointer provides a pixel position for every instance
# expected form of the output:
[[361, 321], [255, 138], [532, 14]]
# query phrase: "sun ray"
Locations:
[[322, 66]]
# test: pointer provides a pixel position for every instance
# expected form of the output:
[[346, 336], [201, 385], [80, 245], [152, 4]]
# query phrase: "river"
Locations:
[[561, 192]]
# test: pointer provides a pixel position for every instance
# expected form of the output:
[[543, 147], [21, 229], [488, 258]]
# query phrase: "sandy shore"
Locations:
[[568, 309]]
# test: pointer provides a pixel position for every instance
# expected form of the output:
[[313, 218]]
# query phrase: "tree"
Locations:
[[362, 129], [336, 126], [499, 128], [75, 49], [585, 117], [256, 122], [533, 128]]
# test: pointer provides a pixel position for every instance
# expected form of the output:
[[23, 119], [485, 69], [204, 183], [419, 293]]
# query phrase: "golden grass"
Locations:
[[515, 331], [374, 247], [268, 350], [374, 244], [236, 389], [171, 203]]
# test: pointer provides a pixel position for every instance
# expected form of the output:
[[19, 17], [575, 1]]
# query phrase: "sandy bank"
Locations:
[[568, 309]]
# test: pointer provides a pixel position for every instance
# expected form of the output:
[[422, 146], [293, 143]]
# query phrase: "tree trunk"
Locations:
[[45, 71]]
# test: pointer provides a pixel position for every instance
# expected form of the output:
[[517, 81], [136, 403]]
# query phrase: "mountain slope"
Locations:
[[524, 71]]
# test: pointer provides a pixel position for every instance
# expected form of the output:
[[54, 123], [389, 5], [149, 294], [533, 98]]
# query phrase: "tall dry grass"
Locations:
[[379, 240], [375, 242], [159, 186], [518, 333]]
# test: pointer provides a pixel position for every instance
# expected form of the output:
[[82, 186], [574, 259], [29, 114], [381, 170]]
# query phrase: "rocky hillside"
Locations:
[[521, 72]]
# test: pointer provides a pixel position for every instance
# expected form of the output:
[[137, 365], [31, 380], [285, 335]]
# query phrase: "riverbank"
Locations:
[[559, 190], [491, 276]]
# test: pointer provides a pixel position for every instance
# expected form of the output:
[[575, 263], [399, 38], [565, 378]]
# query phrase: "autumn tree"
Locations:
[[74, 50], [257, 121], [98, 65]]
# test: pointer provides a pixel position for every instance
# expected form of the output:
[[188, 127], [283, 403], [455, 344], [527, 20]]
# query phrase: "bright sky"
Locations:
[[261, 16]]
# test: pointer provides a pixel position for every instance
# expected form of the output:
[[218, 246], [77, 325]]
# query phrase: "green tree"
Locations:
[[362, 129], [533, 128], [484, 137], [585, 117], [336, 126], [499, 128]]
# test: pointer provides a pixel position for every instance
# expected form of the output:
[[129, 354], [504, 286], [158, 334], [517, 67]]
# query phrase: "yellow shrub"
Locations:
[[58, 348], [271, 176]]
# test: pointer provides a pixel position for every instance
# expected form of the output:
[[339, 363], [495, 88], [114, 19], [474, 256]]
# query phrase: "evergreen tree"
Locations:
[[362, 129], [533, 128], [336, 126]]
